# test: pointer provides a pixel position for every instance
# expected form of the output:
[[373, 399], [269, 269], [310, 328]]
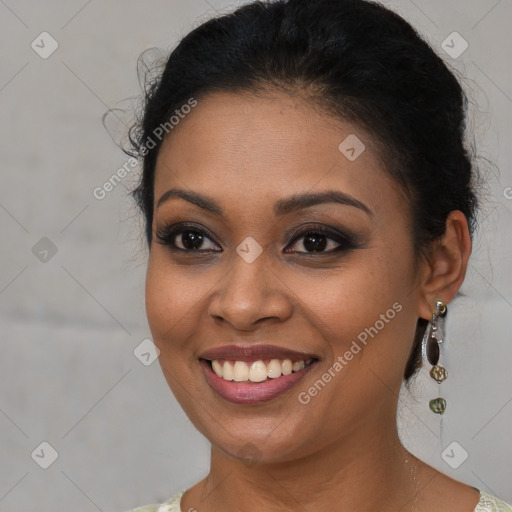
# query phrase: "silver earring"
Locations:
[[432, 353]]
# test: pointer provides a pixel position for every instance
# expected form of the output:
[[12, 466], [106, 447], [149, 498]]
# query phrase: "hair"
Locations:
[[357, 60]]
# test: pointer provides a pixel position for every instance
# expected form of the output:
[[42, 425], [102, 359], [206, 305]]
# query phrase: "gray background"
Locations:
[[70, 323]]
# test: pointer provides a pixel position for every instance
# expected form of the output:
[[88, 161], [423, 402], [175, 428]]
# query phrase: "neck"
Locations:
[[367, 470]]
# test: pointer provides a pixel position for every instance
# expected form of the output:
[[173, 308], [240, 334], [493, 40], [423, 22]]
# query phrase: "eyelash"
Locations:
[[167, 234]]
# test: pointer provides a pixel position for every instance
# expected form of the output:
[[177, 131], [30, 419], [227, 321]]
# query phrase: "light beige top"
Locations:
[[487, 503]]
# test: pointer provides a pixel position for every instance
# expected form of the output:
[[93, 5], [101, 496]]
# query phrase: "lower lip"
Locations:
[[252, 392]]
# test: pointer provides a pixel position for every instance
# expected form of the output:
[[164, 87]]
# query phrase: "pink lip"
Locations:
[[248, 393], [254, 352]]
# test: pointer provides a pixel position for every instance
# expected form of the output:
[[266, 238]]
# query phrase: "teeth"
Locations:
[[286, 367], [241, 371], [257, 371], [274, 369], [298, 365], [227, 371], [217, 368]]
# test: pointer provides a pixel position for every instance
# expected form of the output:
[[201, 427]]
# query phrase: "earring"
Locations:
[[438, 372]]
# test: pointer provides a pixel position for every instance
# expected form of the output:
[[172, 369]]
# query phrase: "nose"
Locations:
[[249, 294]]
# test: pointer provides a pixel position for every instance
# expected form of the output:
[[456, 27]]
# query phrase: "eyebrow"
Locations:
[[281, 207]]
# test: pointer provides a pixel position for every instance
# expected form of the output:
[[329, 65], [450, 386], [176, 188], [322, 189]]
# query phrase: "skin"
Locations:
[[247, 152]]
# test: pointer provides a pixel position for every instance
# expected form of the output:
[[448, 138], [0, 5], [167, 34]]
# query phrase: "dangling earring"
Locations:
[[438, 372]]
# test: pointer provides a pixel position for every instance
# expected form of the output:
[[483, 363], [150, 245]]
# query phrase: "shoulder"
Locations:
[[171, 505], [489, 503]]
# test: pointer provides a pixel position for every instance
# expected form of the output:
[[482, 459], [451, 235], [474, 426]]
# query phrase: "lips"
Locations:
[[247, 392]]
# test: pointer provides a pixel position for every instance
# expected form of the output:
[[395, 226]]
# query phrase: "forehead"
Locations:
[[259, 148]]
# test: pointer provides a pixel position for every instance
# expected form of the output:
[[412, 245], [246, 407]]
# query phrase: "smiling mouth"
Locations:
[[254, 382], [256, 371]]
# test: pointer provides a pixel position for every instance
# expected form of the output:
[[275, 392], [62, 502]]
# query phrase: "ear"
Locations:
[[445, 266]]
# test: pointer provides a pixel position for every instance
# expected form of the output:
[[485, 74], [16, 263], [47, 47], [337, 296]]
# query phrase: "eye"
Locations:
[[186, 238], [321, 240], [313, 239]]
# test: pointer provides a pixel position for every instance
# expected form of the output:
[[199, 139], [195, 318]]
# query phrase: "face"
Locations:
[[273, 247]]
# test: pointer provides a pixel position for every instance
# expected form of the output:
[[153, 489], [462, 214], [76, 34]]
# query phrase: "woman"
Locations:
[[304, 239]]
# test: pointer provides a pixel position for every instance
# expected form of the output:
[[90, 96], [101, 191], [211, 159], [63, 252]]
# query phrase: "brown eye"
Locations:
[[314, 242], [185, 239], [190, 240], [321, 240]]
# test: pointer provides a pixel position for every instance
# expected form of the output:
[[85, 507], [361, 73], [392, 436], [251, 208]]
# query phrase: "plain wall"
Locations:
[[70, 323]]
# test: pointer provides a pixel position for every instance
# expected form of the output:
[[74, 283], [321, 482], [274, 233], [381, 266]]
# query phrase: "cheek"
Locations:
[[172, 302], [366, 313], [353, 298]]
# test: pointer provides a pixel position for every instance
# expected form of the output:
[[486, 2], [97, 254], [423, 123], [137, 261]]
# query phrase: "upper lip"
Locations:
[[244, 352]]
